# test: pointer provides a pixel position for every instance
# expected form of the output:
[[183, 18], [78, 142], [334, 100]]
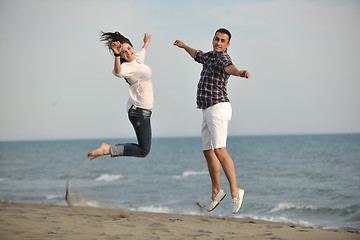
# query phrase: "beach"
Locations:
[[303, 181], [41, 221]]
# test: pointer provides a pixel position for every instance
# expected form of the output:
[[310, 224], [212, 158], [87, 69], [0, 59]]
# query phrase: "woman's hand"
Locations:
[[116, 47], [147, 39]]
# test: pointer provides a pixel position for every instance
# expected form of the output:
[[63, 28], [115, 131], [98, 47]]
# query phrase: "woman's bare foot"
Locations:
[[104, 149]]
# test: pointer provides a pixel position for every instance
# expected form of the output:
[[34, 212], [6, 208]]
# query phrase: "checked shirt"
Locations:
[[213, 78]]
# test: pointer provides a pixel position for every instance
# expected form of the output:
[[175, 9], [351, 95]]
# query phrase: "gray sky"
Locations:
[[56, 77]]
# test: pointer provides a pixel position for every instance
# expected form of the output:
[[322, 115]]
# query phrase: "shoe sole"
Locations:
[[217, 203]]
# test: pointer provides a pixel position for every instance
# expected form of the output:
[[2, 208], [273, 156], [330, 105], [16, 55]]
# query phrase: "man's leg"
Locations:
[[217, 120], [229, 169], [228, 165], [214, 170]]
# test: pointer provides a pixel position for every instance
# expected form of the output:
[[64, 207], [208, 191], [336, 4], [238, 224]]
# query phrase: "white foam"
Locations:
[[2, 179], [191, 173], [288, 206], [159, 209], [85, 202], [193, 212], [108, 177], [281, 219], [52, 196], [331, 228]]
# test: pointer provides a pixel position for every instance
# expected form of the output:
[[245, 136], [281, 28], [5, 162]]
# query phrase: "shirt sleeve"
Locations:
[[123, 73], [225, 61], [140, 56], [199, 56]]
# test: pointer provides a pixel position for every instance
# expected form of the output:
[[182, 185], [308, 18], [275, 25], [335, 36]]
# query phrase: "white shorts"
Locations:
[[215, 125]]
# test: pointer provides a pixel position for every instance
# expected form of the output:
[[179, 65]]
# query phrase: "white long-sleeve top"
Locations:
[[138, 75]]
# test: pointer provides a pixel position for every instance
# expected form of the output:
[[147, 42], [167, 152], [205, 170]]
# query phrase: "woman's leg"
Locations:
[[104, 149], [140, 119]]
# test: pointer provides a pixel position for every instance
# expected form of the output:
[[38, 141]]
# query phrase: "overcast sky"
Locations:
[[56, 77]]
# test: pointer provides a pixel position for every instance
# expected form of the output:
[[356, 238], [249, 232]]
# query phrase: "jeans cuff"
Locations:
[[116, 151]]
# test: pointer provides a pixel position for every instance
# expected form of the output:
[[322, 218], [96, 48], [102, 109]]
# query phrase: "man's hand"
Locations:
[[244, 74], [188, 49], [179, 43]]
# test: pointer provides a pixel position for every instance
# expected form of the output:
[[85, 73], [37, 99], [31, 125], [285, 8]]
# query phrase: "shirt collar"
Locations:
[[218, 53]]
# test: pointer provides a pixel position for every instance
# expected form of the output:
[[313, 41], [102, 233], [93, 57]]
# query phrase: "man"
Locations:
[[216, 108]]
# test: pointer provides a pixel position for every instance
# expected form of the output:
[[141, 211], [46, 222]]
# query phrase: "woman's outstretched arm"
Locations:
[[147, 39], [116, 47]]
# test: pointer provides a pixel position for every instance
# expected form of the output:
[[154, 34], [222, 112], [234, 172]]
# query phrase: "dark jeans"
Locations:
[[140, 119]]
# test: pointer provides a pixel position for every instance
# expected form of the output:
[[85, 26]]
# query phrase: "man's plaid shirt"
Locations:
[[213, 78]]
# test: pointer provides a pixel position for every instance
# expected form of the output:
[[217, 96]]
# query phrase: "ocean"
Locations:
[[311, 180]]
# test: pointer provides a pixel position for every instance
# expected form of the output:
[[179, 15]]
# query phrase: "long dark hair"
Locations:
[[110, 37]]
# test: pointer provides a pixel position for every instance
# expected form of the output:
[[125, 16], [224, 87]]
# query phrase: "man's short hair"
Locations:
[[225, 31]]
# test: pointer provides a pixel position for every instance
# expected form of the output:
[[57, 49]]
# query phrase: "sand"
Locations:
[[32, 221]]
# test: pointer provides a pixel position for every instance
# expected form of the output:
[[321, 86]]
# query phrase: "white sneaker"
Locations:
[[217, 199], [238, 201]]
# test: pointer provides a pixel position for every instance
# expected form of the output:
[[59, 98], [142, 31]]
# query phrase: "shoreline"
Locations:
[[40, 221]]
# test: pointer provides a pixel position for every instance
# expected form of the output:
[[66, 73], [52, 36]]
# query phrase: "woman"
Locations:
[[130, 66]]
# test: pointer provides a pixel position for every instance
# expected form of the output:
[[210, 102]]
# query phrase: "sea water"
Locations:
[[312, 180]]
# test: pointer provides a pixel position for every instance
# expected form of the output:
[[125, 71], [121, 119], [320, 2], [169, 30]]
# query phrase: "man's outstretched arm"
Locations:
[[232, 70], [188, 49]]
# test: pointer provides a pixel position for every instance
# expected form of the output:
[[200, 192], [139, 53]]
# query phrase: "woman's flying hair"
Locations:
[[110, 37]]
